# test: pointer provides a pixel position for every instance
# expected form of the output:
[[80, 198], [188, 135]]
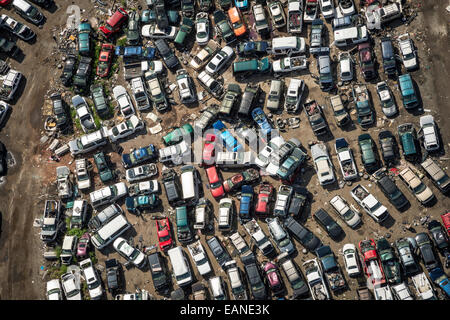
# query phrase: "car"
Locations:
[[391, 266], [142, 172], [28, 11], [208, 154], [83, 245], [221, 255], [59, 110], [114, 23], [130, 253], [178, 134], [388, 55], [175, 154], [238, 287], [204, 55], [140, 94], [156, 92], [277, 14], [215, 183], [441, 279], [265, 195], [202, 28], [345, 66], [159, 272], [306, 238], [324, 63], [79, 215], [68, 70], [388, 147], [82, 174], [407, 51], [166, 53], [133, 35], [423, 193], [113, 275], [407, 258], [322, 164], [439, 236], [17, 28], [144, 188], [429, 129], [263, 158], [280, 235], [138, 156], [282, 201], [84, 41], [241, 4], [294, 276], [125, 128], [347, 7], [426, 251], [273, 276], [210, 84], [247, 176], [124, 102], [164, 234], [171, 186], [105, 173], [351, 260], [100, 104], [10, 83], [371, 262], [333, 229], [71, 286], [200, 258], [186, 87], [343, 210], [366, 61], [299, 201], [83, 114], [92, 278], [261, 120], [294, 95], [249, 98], [368, 154], [219, 60], [237, 22], [390, 189], [327, 8], [246, 203], [439, 177], [228, 140], [220, 20], [140, 203], [386, 98], [54, 290], [261, 23], [256, 283], [153, 32], [252, 48]]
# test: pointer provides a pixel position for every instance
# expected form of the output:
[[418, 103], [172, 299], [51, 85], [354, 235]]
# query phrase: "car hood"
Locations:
[[204, 268]]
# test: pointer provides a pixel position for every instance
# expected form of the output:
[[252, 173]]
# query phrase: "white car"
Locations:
[[83, 113], [322, 164], [200, 258], [273, 166], [347, 7], [125, 128], [386, 99], [351, 260], [54, 290], [130, 253], [186, 91], [202, 28], [92, 279], [123, 99], [345, 66], [71, 286], [152, 31], [327, 8], [82, 173], [9, 84], [219, 60], [407, 51], [263, 158], [294, 94], [429, 129]]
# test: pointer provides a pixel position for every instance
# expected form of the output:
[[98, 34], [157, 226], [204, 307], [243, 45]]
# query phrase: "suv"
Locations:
[[98, 97], [437, 175], [114, 23], [186, 87], [368, 154], [171, 186], [387, 146], [256, 282], [302, 235], [221, 255], [325, 77], [388, 54], [416, 186], [366, 61], [426, 251], [249, 97], [105, 173], [166, 53], [407, 258], [113, 275], [390, 189], [333, 229], [81, 78], [27, 11]]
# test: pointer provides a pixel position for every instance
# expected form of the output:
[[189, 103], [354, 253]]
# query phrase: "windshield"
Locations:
[[348, 215], [420, 188], [164, 239]]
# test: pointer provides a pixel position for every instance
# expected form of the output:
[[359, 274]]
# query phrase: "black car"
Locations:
[[426, 251], [221, 255], [8, 47], [333, 229], [59, 110], [166, 53], [113, 275], [302, 235], [248, 100], [390, 190], [439, 236], [3, 166], [388, 54], [161, 16], [68, 70], [388, 147], [158, 272], [298, 201], [171, 186], [407, 257], [300, 289], [43, 3], [257, 286], [81, 78]]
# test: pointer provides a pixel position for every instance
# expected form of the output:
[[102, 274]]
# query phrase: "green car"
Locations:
[[186, 27], [230, 99], [178, 135], [84, 32], [133, 34], [368, 157], [104, 171], [100, 104], [408, 137]]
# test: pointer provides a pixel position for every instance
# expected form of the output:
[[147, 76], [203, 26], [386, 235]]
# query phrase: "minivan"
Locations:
[[189, 183], [288, 45], [28, 11], [275, 95], [68, 249], [387, 52], [349, 36], [108, 194], [109, 232], [180, 266], [409, 95]]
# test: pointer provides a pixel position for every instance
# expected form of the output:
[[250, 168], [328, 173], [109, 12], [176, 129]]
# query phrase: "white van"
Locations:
[[109, 232], [180, 266], [349, 36], [108, 194], [288, 45], [189, 183]]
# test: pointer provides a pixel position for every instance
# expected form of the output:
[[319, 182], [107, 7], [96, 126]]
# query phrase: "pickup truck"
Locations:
[[289, 64], [363, 105], [389, 262], [240, 244], [140, 94], [184, 233], [423, 287], [440, 279], [283, 200], [295, 16], [346, 160], [262, 241], [315, 117], [371, 263], [134, 69], [51, 220], [330, 268], [340, 113], [65, 188], [315, 280], [369, 203]]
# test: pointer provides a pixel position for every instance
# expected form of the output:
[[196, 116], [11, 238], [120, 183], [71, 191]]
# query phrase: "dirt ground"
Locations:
[[30, 181]]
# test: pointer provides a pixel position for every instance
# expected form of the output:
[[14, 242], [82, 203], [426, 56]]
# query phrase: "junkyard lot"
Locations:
[[19, 228]]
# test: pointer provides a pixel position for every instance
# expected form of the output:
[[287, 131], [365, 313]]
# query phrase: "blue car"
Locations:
[[141, 203], [260, 118], [241, 4], [440, 278], [136, 52], [229, 140], [138, 156], [246, 203]]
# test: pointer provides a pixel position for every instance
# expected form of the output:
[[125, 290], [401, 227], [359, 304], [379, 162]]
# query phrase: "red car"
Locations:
[[446, 221], [163, 232], [366, 61], [264, 196], [215, 183], [83, 245], [105, 59], [208, 149], [233, 182], [4, 3], [371, 262], [114, 23]]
